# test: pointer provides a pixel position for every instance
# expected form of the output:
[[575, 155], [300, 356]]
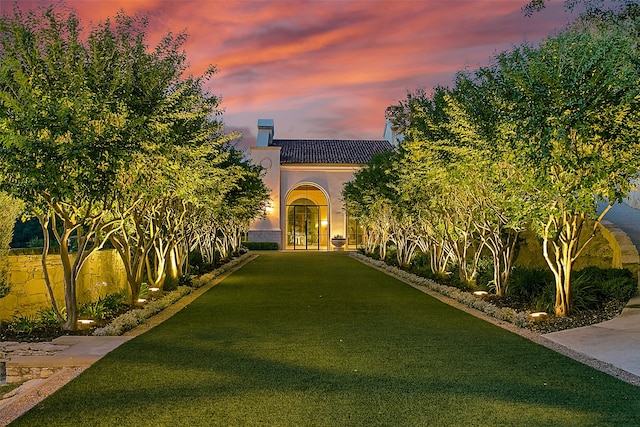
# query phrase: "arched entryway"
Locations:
[[307, 221]]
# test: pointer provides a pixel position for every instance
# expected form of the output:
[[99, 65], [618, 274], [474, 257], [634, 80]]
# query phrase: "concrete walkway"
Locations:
[[617, 341]]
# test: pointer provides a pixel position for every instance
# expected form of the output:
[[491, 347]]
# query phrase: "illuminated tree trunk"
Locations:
[[561, 246]]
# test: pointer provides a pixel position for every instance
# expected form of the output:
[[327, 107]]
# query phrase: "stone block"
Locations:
[[19, 277]]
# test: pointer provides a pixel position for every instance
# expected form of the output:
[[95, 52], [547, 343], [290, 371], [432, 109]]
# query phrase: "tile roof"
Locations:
[[329, 151]]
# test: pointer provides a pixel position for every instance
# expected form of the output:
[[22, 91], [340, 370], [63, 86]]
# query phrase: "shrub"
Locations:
[[261, 246], [615, 283], [185, 280], [195, 260], [484, 273], [104, 307], [115, 302], [47, 317], [24, 324], [530, 283]]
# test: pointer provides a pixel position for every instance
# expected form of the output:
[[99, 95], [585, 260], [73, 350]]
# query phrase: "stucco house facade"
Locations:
[[306, 178]]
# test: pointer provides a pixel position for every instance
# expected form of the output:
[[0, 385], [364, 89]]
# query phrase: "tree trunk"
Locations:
[[561, 246], [43, 219]]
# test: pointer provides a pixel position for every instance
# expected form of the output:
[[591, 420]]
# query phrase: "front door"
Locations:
[[303, 226]]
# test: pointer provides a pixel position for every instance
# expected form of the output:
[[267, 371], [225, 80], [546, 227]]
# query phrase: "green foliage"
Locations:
[[529, 283], [11, 209], [115, 302], [612, 283], [26, 231], [47, 317], [484, 274], [94, 310], [261, 246], [171, 285], [185, 280], [105, 307], [24, 324]]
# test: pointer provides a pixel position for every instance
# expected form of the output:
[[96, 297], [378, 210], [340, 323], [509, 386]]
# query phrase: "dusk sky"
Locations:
[[329, 69]]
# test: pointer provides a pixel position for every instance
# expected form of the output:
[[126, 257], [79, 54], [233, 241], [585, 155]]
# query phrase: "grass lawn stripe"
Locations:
[[319, 339]]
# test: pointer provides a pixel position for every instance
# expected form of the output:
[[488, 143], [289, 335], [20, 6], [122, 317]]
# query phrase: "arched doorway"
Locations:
[[307, 218]]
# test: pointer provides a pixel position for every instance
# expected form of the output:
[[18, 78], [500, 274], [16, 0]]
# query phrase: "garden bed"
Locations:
[[118, 322], [506, 308]]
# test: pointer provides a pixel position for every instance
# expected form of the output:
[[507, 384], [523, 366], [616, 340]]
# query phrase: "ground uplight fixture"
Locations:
[[480, 293], [154, 289], [85, 321], [141, 300], [539, 315]]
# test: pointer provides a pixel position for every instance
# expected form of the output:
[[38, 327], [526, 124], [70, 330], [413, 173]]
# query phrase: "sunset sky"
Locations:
[[328, 69]]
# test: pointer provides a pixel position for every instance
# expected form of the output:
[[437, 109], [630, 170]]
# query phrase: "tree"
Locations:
[[75, 113], [368, 197], [571, 109], [11, 209]]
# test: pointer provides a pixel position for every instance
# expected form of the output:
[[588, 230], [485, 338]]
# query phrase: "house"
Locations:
[[306, 178]]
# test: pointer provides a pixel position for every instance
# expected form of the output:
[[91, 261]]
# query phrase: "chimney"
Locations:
[[265, 132]]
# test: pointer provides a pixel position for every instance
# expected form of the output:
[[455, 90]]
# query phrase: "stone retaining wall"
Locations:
[[20, 374], [102, 274]]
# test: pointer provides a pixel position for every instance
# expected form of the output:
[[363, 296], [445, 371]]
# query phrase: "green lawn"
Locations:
[[318, 339]]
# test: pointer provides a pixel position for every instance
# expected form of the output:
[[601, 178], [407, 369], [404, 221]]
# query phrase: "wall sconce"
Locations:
[[268, 208]]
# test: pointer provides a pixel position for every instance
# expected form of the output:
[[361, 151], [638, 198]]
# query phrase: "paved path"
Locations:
[[616, 341]]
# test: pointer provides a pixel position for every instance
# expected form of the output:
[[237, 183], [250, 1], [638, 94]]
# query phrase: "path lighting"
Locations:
[[539, 315], [480, 293]]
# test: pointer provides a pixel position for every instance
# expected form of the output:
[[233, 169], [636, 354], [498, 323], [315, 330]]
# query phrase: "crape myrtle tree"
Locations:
[[368, 198], [242, 202], [571, 110], [81, 118], [495, 188], [64, 135], [436, 167]]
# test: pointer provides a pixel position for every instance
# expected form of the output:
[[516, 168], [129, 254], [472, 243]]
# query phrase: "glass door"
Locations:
[[303, 227]]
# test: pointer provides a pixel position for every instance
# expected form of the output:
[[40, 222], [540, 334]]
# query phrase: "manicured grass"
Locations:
[[318, 339]]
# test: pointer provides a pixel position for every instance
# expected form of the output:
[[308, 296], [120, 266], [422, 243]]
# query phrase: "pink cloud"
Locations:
[[330, 68]]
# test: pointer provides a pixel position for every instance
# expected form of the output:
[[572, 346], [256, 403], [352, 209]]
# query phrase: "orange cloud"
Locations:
[[329, 68]]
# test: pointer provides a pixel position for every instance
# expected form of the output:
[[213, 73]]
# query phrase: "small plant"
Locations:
[[95, 310], [530, 283], [104, 307], [338, 237], [24, 324], [185, 280], [47, 317], [144, 290], [115, 302]]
